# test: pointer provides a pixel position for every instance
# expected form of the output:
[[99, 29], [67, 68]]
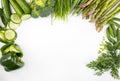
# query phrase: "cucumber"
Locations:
[[25, 16], [24, 5], [10, 35], [4, 20], [3, 17], [15, 18], [16, 7], [13, 25], [6, 8], [2, 37]]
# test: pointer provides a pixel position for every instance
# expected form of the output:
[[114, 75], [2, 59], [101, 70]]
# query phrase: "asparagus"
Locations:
[[100, 23], [104, 7], [110, 6], [91, 7]]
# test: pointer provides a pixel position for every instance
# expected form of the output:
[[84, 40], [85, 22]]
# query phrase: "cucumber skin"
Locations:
[[6, 8], [16, 7], [3, 17], [24, 5]]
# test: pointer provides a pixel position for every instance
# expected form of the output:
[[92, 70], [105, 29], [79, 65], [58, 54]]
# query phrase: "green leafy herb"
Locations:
[[109, 59]]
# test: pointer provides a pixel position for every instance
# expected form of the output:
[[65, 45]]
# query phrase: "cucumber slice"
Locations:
[[10, 35], [13, 25], [15, 18], [25, 16]]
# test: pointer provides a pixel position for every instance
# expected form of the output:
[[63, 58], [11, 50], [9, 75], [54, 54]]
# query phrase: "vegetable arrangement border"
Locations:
[[101, 12]]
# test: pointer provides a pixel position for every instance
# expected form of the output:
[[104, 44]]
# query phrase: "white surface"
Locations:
[[57, 52]]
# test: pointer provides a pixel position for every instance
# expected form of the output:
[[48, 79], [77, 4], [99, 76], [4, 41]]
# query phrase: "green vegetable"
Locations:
[[6, 8], [10, 47], [25, 16], [10, 35], [11, 61], [101, 11], [41, 8], [3, 17], [15, 18], [24, 5], [2, 37], [118, 34], [16, 7], [109, 35], [62, 9], [109, 58], [13, 25]]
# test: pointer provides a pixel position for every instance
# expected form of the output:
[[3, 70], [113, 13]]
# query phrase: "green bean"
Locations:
[[111, 31], [108, 36], [118, 34]]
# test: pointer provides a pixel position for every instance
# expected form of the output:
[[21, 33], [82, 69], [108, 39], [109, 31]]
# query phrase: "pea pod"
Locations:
[[109, 37], [117, 45], [111, 32], [113, 29], [118, 34]]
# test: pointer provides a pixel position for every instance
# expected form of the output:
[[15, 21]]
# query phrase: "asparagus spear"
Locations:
[[104, 7], [100, 23], [110, 6]]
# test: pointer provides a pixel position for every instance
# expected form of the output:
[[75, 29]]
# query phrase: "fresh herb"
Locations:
[[109, 59]]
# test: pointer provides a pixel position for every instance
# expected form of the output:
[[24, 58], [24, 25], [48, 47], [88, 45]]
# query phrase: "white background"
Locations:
[[57, 51]]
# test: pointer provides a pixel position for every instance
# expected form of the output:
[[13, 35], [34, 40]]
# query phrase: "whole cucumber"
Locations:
[[6, 8]]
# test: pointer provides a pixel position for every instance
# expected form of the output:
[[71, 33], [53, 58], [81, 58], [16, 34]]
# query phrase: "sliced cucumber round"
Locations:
[[15, 18], [25, 16], [13, 25], [10, 35]]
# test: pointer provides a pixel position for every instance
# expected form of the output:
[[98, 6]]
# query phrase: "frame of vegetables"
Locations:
[[102, 12]]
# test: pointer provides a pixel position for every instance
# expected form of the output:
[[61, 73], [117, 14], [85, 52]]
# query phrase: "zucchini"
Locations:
[[16, 7], [15, 18], [25, 16], [6, 8], [13, 25], [10, 35], [24, 5]]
